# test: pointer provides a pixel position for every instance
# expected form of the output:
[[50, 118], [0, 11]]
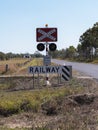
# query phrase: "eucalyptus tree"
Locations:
[[89, 40]]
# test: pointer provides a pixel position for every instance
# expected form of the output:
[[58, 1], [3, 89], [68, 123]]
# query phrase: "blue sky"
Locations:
[[20, 18]]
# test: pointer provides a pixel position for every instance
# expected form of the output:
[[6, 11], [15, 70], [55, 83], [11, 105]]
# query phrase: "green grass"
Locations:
[[7, 85], [20, 101]]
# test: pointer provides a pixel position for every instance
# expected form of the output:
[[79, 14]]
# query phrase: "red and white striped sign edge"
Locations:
[[46, 34]]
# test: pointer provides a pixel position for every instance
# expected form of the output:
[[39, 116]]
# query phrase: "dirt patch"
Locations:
[[78, 112], [27, 120], [83, 99]]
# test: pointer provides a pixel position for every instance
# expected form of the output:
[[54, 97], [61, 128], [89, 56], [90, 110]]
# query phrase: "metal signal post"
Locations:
[[46, 35], [47, 75]]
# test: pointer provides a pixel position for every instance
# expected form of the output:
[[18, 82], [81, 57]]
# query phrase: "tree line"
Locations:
[[7, 56]]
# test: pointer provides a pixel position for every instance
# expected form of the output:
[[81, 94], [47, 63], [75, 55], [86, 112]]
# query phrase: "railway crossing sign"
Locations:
[[64, 71], [44, 69], [46, 34]]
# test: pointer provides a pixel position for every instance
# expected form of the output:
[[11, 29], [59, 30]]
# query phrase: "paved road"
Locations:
[[88, 69]]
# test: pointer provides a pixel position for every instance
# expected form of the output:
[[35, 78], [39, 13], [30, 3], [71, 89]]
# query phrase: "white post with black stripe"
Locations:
[[66, 73]]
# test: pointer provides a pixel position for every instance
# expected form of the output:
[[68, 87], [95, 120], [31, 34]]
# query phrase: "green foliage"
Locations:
[[64, 53], [2, 56], [10, 55], [88, 40], [70, 52]]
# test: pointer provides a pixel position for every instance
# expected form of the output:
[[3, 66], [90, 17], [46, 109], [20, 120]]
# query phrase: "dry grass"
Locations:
[[18, 66]]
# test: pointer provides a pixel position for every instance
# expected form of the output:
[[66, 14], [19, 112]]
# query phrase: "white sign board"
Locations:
[[47, 60], [45, 69]]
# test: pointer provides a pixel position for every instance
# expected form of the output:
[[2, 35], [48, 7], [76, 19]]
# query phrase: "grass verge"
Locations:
[[24, 101]]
